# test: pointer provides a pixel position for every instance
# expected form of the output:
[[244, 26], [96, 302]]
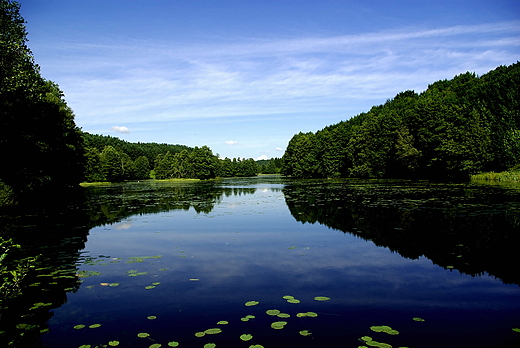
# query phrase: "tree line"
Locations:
[[455, 128]]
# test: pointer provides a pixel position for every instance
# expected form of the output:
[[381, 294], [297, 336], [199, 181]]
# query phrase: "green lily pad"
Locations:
[[305, 333], [246, 337], [256, 346], [213, 331], [278, 325], [288, 297], [515, 329], [156, 283], [155, 345], [173, 344], [322, 298], [301, 315], [418, 319], [80, 326], [200, 334], [251, 303], [223, 322], [293, 300], [312, 314], [94, 326], [143, 335], [273, 312], [149, 287], [366, 338], [151, 317], [210, 345], [85, 346], [284, 315], [113, 343]]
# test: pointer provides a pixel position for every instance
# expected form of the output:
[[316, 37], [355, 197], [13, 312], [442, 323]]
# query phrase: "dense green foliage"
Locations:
[[270, 166], [41, 145], [112, 159], [455, 128]]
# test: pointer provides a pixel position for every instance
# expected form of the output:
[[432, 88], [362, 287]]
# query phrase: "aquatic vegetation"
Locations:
[[143, 335], [305, 333], [173, 344], [94, 326], [213, 331], [278, 325], [322, 298], [385, 329], [251, 303], [79, 327], [113, 343], [515, 329], [200, 334], [273, 312], [418, 319], [246, 337], [86, 274], [223, 322], [210, 345], [151, 317]]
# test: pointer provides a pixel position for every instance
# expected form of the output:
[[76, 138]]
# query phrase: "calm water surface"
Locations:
[[174, 259]]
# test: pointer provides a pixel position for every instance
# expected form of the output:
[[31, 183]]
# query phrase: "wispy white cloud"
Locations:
[[231, 142], [121, 129], [263, 157], [162, 81]]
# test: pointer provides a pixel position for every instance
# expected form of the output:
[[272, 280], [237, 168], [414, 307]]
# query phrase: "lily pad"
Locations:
[[322, 298], [515, 329], [278, 325], [284, 315], [173, 344], [223, 322], [151, 317], [273, 312], [143, 334], [305, 333], [80, 326], [200, 334], [256, 346], [246, 337], [213, 331], [251, 303], [288, 297], [293, 300], [210, 345], [366, 338], [149, 287], [312, 314], [155, 345], [418, 319], [94, 326], [113, 343]]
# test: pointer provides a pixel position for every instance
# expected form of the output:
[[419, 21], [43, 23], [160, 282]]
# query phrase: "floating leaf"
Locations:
[[366, 338], [515, 329], [200, 334], [385, 329], [312, 314], [222, 322], [194, 279], [256, 346], [278, 325], [156, 283], [293, 300], [94, 326], [143, 334], [85, 346], [288, 297], [213, 331], [301, 315], [293, 247], [418, 319], [78, 327], [155, 345], [251, 303], [173, 344], [246, 337], [113, 343], [210, 345], [273, 312], [322, 298], [151, 317], [305, 333], [149, 287], [284, 315]]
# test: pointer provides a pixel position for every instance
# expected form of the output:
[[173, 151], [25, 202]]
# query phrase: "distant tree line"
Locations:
[[270, 166], [455, 128]]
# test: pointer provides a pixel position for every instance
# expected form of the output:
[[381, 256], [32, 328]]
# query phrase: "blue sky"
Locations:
[[243, 77]]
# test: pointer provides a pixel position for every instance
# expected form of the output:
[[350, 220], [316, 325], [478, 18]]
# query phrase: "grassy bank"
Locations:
[[512, 175]]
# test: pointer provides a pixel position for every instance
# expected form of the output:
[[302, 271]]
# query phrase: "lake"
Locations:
[[270, 262]]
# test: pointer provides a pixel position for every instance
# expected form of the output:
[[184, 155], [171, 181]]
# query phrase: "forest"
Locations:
[[453, 129]]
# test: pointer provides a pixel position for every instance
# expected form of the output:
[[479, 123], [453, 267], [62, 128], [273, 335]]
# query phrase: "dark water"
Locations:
[[174, 259]]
